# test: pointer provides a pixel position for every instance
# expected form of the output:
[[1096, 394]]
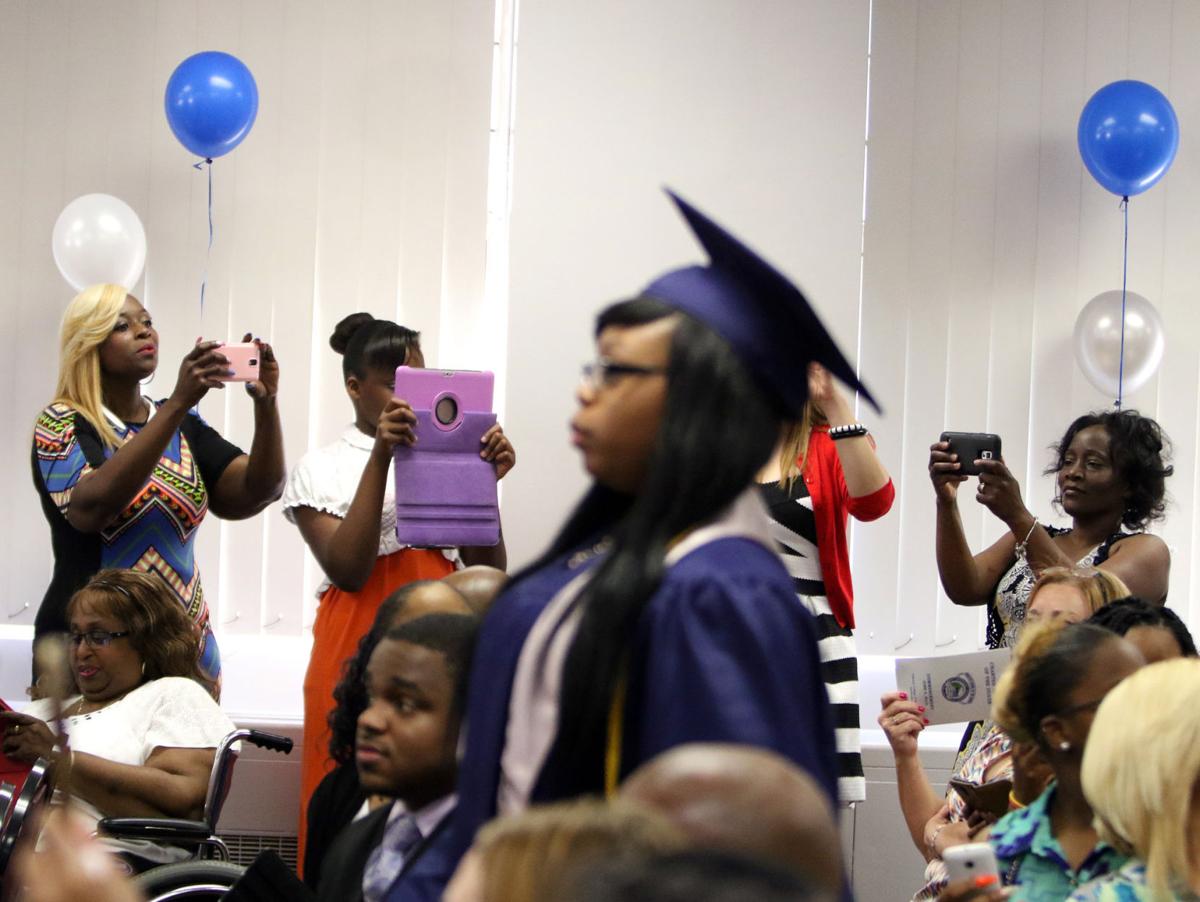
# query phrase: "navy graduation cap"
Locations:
[[757, 309]]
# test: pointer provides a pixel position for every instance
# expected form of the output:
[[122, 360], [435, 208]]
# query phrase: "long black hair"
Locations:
[[1130, 612], [718, 428], [367, 343]]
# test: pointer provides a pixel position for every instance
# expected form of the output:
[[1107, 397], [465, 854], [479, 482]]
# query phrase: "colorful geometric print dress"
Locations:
[[155, 533]]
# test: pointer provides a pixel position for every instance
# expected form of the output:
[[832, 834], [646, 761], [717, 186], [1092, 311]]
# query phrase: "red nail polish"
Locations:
[[921, 708], [925, 720], [904, 695]]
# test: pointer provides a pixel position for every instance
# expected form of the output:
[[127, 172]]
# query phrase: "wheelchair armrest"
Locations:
[[157, 829]]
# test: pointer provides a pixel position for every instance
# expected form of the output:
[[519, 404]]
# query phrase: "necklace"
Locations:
[[78, 706]]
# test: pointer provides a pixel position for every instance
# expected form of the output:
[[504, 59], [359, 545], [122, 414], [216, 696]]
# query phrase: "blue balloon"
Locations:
[[1128, 136], [211, 103]]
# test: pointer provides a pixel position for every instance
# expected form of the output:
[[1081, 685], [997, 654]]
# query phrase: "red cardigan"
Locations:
[[832, 505]]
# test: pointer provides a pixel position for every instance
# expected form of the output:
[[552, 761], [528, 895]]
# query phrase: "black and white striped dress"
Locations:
[[794, 528]]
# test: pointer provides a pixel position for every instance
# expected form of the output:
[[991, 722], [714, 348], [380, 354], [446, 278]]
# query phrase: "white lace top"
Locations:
[[171, 712], [326, 480]]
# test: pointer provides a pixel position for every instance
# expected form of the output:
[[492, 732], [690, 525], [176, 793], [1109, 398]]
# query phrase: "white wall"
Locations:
[[984, 238], [363, 186], [752, 110]]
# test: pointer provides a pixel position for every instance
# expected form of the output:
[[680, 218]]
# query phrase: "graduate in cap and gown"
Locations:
[[662, 613]]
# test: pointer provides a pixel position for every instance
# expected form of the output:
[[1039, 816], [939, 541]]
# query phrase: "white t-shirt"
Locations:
[[171, 712], [326, 480]]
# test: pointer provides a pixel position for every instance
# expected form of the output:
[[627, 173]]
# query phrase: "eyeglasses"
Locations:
[[97, 638], [604, 373]]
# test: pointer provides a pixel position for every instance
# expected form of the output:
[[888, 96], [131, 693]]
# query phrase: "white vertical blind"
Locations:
[[985, 236], [361, 187], [753, 111]]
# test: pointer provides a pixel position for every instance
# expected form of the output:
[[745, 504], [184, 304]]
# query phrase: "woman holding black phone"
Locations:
[[1110, 470]]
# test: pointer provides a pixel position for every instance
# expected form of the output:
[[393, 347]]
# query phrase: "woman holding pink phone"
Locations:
[[125, 481], [342, 499]]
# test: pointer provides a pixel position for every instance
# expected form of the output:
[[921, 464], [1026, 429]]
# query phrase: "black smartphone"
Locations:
[[972, 446]]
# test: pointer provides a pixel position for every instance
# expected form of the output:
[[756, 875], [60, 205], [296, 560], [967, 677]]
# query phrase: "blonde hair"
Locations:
[[535, 856], [793, 447], [87, 323], [1140, 765], [1099, 587], [1050, 660]]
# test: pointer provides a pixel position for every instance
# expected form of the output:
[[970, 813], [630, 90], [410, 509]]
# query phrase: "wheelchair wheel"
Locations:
[[196, 881]]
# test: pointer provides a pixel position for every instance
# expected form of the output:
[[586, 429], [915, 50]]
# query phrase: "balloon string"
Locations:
[[1124, 278], [208, 254]]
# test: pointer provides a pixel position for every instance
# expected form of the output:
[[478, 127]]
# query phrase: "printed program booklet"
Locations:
[[953, 688]]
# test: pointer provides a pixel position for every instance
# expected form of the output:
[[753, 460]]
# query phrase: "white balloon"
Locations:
[[99, 239], [1098, 341]]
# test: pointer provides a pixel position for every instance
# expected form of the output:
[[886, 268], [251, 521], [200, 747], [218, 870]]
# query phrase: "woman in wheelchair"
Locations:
[[140, 738]]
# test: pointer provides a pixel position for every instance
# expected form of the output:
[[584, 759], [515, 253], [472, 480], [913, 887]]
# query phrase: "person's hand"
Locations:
[[943, 471], [395, 427], [26, 738], [497, 449], [979, 823], [962, 890], [999, 492], [1031, 772], [824, 393], [202, 369], [267, 385], [901, 720], [941, 833], [70, 866]]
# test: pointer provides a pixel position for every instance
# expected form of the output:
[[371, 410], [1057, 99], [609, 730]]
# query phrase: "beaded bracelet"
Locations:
[[850, 430]]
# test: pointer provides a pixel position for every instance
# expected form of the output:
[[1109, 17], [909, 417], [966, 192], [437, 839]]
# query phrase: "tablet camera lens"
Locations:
[[446, 411]]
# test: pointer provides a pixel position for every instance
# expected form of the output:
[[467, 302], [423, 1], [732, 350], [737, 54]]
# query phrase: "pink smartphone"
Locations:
[[243, 360], [445, 492]]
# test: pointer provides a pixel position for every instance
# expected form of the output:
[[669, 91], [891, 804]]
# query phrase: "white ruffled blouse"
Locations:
[[326, 480]]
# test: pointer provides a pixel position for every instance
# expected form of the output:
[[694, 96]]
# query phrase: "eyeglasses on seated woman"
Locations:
[[141, 735]]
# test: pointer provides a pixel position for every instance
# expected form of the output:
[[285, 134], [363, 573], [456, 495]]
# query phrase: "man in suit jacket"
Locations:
[[405, 748]]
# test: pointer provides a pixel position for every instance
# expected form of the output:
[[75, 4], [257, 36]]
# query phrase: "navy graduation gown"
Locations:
[[724, 652]]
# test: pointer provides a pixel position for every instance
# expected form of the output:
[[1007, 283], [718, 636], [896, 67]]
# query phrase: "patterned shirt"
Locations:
[[1126, 885], [155, 532], [1031, 859]]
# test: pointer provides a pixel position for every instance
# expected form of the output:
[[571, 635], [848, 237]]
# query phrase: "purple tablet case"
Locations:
[[445, 492]]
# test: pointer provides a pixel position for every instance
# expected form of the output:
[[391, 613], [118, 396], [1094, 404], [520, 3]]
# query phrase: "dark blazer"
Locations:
[[342, 873], [342, 870], [332, 808]]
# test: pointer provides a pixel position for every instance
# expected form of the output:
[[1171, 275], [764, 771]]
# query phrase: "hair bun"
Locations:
[[344, 331]]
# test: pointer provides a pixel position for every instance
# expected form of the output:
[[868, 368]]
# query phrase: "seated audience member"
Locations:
[[479, 585], [936, 824], [1155, 629], [1141, 771], [744, 800], [339, 799], [536, 856], [695, 875], [406, 748], [143, 733], [1049, 694]]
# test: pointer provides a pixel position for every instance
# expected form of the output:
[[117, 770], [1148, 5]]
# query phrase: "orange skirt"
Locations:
[[343, 618]]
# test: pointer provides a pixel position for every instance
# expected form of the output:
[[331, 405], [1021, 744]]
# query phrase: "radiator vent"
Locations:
[[244, 847]]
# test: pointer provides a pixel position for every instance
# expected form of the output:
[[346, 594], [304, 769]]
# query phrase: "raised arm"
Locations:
[[863, 470], [499, 450], [902, 721], [967, 578], [346, 548], [102, 494], [253, 481]]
